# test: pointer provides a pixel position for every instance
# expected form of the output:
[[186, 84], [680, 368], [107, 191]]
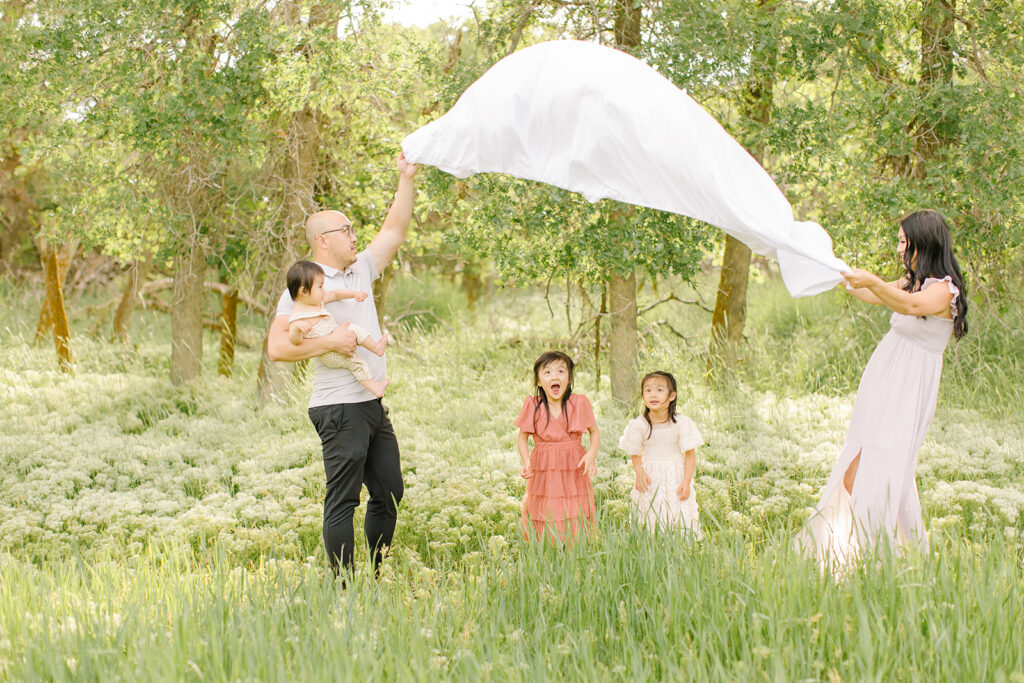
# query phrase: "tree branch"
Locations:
[[527, 13], [665, 323], [969, 25], [160, 305], [673, 297], [221, 287]]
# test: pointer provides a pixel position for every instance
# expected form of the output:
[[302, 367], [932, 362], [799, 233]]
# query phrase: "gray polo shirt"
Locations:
[[336, 385]]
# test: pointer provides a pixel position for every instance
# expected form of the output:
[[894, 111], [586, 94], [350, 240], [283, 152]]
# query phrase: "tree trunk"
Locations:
[[628, 14], [932, 133], [187, 315], [935, 123], [623, 337], [228, 331], [731, 302], [380, 291], [472, 283], [129, 299], [63, 256], [300, 171], [54, 303], [19, 213]]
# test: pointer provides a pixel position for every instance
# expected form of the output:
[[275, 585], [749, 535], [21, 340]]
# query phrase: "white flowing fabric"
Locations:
[[600, 122]]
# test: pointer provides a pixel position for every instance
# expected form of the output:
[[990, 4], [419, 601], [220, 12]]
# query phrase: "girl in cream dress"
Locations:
[[662, 445]]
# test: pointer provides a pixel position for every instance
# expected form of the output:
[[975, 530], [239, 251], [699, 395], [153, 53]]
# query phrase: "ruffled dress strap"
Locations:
[[580, 414], [634, 436], [953, 289], [526, 421], [689, 435], [304, 315]]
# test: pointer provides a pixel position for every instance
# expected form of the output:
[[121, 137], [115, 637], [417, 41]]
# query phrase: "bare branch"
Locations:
[[673, 297], [527, 13], [547, 296], [975, 59], [665, 323], [161, 305], [221, 287], [568, 302], [408, 314]]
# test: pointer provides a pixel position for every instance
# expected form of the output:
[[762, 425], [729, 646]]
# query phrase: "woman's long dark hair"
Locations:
[[667, 376], [544, 359], [928, 239]]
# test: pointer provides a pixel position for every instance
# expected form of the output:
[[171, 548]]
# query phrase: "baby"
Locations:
[[310, 319]]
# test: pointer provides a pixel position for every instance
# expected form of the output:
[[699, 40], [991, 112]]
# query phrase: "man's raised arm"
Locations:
[[396, 224]]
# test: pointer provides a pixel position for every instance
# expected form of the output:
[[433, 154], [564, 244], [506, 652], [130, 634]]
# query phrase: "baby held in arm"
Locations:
[[310, 319]]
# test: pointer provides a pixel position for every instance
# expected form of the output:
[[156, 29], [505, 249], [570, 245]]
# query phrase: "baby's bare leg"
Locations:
[[362, 373], [376, 388], [378, 346]]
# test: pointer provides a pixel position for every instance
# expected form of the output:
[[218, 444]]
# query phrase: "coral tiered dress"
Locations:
[[894, 406], [558, 495]]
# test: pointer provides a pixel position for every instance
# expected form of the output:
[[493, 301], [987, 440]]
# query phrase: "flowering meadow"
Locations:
[[149, 532]]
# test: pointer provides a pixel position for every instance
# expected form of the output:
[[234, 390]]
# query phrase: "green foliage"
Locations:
[[147, 121], [971, 116], [136, 130], [173, 126], [864, 128], [536, 232], [423, 301]]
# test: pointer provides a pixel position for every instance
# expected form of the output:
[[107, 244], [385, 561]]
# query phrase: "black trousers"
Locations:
[[359, 448]]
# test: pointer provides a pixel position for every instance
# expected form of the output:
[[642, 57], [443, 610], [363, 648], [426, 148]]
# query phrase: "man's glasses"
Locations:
[[349, 230]]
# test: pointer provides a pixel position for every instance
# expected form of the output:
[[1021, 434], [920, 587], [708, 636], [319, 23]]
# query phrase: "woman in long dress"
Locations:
[[871, 495]]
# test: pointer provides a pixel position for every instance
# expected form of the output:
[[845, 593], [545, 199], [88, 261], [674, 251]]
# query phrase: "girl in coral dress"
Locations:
[[559, 495]]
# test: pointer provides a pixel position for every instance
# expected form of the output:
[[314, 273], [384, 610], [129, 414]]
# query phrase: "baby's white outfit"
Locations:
[[332, 359], [662, 448]]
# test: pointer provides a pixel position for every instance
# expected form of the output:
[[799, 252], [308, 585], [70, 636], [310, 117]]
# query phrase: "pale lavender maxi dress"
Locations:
[[894, 406]]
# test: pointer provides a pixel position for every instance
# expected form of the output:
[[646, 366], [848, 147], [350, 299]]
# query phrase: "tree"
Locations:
[[26, 189], [929, 99], [206, 136], [20, 181], [622, 287], [534, 232], [299, 162], [731, 56], [172, 92], [756, 105], [538, 233]]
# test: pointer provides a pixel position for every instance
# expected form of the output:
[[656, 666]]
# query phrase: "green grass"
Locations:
[[152, 533], [625, 605]]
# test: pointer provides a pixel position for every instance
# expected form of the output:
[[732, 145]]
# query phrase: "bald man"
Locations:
[[359, 444]]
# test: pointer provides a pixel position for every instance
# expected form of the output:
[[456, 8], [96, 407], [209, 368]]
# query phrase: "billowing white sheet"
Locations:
[[600, 122]]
